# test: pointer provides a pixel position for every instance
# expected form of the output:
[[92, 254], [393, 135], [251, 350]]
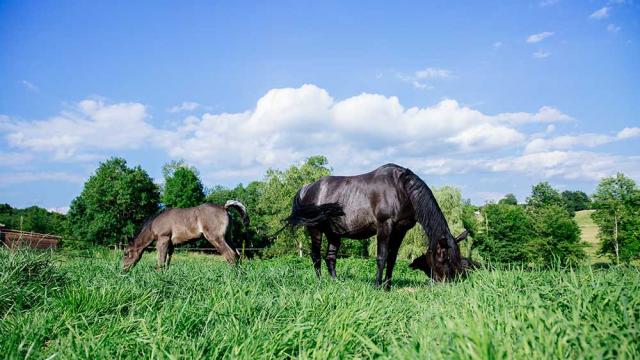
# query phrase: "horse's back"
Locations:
[[190, 221]]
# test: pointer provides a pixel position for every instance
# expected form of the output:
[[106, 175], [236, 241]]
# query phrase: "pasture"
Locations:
[[80, 305]]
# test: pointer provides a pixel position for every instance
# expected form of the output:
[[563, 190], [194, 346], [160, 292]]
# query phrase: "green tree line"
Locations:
[[117, 199]]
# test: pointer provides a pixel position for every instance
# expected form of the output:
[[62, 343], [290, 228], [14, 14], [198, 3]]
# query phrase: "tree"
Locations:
[[508, 199], [277, 192], [542, 194], [508, 231], [33, 218], [575, 200], [557, 237], [617, 204], [182, 186], [114, 203]]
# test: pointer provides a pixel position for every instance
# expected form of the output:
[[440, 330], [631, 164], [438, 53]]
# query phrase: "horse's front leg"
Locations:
[[162, 246], [332, 253], [394, 244], [384, 232]]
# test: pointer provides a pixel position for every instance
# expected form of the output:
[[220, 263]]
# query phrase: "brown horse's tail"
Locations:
[[241, 209]]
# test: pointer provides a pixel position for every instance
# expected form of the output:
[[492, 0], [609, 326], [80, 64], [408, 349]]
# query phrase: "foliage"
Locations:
[[276, 194], [617, 204], [507, 234], [543, 194], [508, 199], [182, 186], [557, 237], [203, 308], [114, 203], [576, 200], [33, 218]]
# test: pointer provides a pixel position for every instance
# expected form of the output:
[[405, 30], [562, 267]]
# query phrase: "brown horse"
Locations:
[[176, 226], [386, 202]]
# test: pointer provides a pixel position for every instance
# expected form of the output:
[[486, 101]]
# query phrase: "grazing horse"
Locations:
[[175, 226], [386, 202]]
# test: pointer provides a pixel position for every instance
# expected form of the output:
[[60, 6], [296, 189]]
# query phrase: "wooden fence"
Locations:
[[16, 238]]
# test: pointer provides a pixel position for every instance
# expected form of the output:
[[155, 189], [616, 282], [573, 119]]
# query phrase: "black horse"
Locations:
[[386, 202]]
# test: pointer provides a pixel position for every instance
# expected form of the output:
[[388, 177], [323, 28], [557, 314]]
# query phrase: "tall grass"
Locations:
[[84, 307]]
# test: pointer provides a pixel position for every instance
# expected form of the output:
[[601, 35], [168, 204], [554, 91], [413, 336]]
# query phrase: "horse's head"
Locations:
[[443, 262], [130, 258]]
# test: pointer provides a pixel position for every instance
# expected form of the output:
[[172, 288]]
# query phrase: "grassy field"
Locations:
[[589, 234], [81, 306]]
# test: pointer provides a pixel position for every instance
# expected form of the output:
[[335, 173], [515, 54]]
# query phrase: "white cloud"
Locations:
[[430, 73], [600, 13], [497, 44], [364, 130], [7, 179], [357, 133], [540, 54], [544, 3], [14, 158], [628, 133], [539, 36], [29, 86], [87, 126], [566, 164], [418, 78], [59, 209], [567, 142], [185, 106], [613, 28]]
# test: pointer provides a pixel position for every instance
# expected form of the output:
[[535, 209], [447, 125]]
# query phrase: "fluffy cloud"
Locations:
[[418, 78], [88, 125], [539, 37], [627, 133], [7, 179], [357, 133], [600, 13], [185, 106], [540, 54]]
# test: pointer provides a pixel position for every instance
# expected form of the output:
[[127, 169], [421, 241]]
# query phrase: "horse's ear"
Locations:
[[462, 236]]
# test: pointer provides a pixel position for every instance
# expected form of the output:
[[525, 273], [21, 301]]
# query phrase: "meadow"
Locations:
[[80, 305]]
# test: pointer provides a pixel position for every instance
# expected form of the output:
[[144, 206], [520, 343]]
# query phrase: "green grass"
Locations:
[[81, 306], [589, 234]]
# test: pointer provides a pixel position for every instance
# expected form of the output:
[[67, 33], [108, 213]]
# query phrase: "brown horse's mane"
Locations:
[[147, 223]]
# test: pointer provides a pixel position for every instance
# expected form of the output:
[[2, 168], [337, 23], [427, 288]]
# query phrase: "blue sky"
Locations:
[[490, 97]]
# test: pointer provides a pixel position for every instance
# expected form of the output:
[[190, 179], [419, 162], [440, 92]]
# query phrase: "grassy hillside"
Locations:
[[589, 233], [82, 306]]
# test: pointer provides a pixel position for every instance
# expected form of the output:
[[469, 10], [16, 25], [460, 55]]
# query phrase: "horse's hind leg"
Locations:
[[332, 253], [162, 246], [221, 245], [316, 242], [170, 249]]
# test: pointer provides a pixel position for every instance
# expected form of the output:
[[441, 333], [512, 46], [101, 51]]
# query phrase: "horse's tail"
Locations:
[[312, 215], [240, 208]]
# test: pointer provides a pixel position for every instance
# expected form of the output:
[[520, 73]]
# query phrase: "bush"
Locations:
[[557, 237], [507, 234]]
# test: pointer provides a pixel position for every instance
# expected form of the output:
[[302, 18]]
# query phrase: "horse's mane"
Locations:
[[428, 212]]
